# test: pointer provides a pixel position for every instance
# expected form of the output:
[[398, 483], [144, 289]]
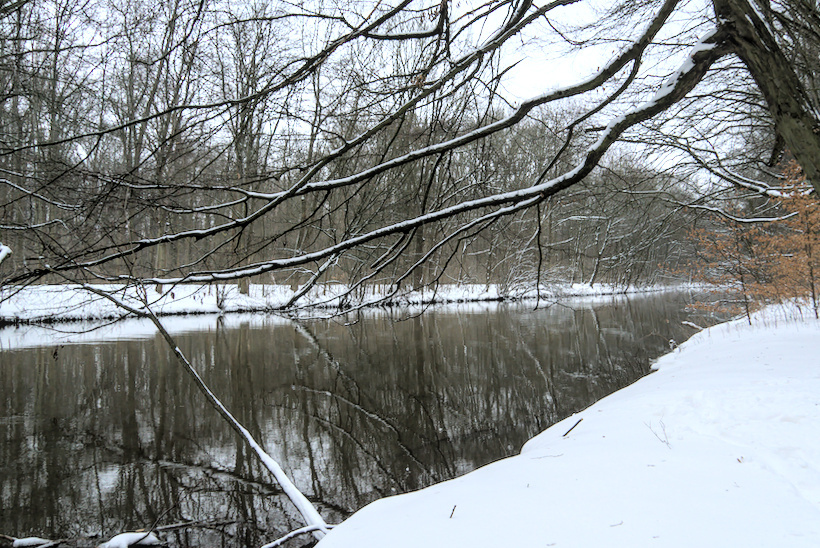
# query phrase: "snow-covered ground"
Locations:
[[66, 302], [720, 447]]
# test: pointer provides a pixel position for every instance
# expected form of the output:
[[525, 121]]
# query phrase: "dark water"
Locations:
[[100, 437]]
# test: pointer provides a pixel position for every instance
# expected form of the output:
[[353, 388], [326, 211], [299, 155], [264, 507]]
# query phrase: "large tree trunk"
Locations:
[[796, 119]]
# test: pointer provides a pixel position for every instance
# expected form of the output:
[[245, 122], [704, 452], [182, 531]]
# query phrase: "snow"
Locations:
[[29, 541], [124, 540], [668, 86], [16, 337], [5, 251], [94, 328], [719, 447]]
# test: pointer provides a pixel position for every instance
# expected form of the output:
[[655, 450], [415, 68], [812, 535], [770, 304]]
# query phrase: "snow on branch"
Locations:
[[747, 220], [124, 540], [31, 541], [5, 251], [292, 534]]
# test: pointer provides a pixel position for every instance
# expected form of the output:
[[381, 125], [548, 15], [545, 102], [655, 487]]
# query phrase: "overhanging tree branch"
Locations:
[[711, 48]]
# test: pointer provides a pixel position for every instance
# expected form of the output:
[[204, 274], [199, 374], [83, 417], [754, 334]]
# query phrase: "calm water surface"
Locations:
[[101, 436]]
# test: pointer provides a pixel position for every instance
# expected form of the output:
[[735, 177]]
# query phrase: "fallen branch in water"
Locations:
[[294, 534], [311, 515], [141, 537], [197, 523]]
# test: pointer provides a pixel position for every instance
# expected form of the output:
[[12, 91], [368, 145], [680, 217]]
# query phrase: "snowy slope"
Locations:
[[720, 447]]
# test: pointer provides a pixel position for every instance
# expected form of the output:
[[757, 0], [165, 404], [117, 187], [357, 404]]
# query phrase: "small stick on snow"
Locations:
[[573, 427]]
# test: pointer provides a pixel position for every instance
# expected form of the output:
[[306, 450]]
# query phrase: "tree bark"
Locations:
[[796, 119]]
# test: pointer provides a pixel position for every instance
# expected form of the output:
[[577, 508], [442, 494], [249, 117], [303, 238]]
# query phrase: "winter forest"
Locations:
[[368, 143], [159, 147]]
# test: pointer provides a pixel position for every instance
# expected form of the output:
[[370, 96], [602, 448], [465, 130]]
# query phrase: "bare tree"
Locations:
[[328, 128]]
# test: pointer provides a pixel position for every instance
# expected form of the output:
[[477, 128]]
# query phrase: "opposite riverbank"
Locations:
[[50, 303]]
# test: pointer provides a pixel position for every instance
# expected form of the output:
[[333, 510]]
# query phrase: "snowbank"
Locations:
[[66, 302], [720, 447]]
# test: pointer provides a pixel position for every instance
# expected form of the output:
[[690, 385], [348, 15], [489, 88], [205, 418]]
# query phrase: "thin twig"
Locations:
[[573, 427]]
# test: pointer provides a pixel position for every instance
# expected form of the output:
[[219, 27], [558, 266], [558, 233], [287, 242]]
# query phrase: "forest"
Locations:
[[201, 141]]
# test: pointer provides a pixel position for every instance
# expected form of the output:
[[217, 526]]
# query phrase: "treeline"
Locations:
[[175, 140]]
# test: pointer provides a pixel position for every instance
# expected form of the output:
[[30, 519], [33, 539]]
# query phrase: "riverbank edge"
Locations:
[[734, 463], [47, 304]]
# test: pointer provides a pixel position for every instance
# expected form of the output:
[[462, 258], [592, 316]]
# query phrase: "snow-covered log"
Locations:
[[124, 540]]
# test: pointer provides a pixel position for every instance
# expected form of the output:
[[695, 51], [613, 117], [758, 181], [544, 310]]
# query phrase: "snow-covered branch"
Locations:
[[735, 218], [308, 511], [306, 183], [690, 74]]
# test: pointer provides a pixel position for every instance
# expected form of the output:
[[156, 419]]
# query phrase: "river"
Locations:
[[100, 431]]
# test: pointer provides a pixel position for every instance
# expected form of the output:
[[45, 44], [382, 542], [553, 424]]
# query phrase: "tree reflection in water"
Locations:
[[100, 438]]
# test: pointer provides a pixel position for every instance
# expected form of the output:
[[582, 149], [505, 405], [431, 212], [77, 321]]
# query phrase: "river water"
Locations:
[[101, 431]]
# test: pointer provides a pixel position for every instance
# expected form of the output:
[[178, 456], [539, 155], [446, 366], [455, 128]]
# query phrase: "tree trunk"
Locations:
[[795, 118]]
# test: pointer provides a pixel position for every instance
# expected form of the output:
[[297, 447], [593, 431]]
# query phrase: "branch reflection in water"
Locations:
[[105, 436]]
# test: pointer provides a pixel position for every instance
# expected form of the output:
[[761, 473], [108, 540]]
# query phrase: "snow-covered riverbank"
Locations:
[[66, 302], [720, 447]]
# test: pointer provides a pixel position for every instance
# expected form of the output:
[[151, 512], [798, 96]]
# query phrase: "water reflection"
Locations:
[[96, 438]]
